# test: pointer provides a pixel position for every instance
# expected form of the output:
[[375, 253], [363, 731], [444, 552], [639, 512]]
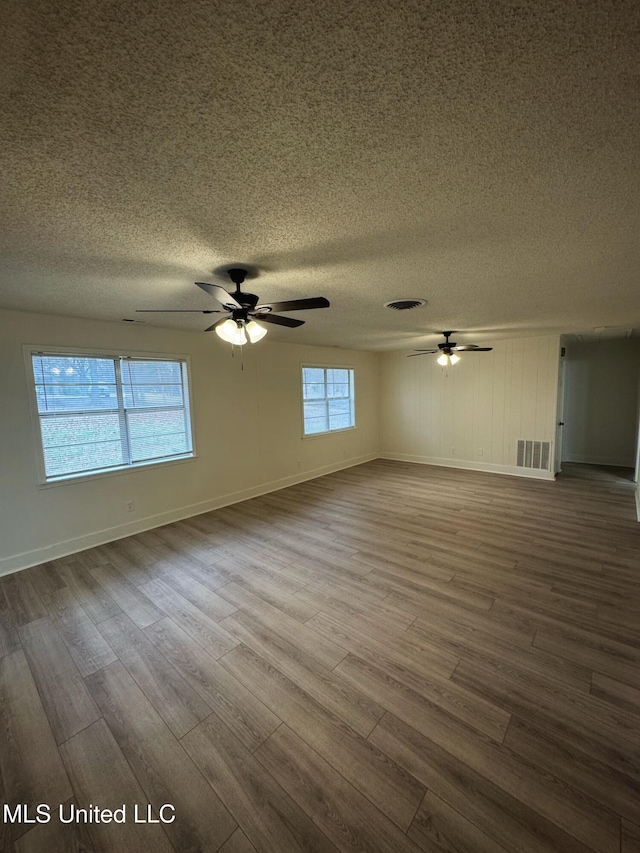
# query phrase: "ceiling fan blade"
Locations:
[[220, 294], [279, 321], [472, 348], [178, 311], [295, 304], [423, 352]]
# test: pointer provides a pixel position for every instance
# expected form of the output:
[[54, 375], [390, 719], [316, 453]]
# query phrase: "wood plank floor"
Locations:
[[390, 658]]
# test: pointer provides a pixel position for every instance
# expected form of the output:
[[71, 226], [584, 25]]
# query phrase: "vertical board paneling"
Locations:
[[486, 402]]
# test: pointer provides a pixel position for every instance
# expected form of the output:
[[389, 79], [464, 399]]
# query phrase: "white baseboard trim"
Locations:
[[466, 465], [100, 537]]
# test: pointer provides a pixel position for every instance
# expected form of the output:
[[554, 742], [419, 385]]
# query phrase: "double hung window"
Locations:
[[327, 399], [102, 412]]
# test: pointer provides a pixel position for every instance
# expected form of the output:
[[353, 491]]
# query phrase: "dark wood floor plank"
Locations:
[[630, 838], [580, 816], [130, 558], [101, 776], [463, 641], [56, 837], [338, 602], [247, 717], [395, 792], [67, 702], [481, 622], [425, 589], [94, 599], [552, 752], [616, 693], [585, 720], [269, 816], [325, 652], [160, 764], [30, 763], [138, 607], [9, 640], [293, 605], [349, 597], [238, 843], [609, 657], [432, 690], [324, 685], [25, 603], [498, 814], [86, 644], [437, 826], [205, 599], [197, 624], [45, 578], [345, 815], [173, 698]]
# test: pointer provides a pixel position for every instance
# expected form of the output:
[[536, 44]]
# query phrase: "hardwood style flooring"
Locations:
[[390, 658]]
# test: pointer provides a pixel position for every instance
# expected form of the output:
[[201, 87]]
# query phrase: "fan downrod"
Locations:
[[237, 275]]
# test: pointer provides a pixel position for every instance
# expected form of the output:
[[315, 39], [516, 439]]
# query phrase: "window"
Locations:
[[327, 395], [99, 413]]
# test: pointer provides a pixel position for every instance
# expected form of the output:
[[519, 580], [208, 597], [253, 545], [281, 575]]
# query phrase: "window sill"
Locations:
[[328, 432], [112, 472]]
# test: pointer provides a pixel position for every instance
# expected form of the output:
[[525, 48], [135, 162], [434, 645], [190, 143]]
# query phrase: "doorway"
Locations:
[[598, 403]]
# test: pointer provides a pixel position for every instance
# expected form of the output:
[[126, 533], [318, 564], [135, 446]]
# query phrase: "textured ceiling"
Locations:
[[483, 156]]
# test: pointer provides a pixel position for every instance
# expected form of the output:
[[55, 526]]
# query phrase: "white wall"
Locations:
[[470, 415], [601, 402], [248, 432]]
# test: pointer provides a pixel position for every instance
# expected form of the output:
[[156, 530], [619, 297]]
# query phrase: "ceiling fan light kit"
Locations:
[[448, 351], [445, 360], [241, 327]]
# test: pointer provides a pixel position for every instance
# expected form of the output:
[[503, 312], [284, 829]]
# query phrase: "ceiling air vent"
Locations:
[[405, 304]]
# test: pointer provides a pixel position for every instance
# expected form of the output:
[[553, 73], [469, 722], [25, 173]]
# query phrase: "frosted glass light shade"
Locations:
[[445, 360], [255, 331], [232, 332]]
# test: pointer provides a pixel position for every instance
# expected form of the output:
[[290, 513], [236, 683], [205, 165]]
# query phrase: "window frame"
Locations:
[[352, 398], [44, 481]]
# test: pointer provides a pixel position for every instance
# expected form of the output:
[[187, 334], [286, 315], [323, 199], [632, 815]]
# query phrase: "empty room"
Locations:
[[319, 445]]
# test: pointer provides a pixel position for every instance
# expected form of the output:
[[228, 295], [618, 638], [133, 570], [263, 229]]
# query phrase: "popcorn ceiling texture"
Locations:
[[483, 156]]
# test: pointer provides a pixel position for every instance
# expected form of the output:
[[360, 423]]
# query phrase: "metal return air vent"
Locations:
[[533, 454]]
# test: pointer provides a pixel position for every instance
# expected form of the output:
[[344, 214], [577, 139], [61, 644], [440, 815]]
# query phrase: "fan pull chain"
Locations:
[[233, 355]]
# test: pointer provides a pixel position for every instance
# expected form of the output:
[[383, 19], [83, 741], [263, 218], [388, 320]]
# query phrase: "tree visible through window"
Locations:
[[328, 401], [101, 412]]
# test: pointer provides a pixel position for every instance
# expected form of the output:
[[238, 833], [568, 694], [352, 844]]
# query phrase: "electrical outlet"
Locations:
[[130, 505]]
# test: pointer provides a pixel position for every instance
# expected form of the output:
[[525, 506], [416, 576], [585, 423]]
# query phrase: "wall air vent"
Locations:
[[405, 304], [533, 454]]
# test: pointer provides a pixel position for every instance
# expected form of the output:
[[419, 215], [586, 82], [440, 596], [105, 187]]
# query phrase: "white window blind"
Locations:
[[328, 399], [104, 412]]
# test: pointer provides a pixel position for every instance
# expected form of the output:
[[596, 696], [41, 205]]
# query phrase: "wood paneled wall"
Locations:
[[473, 414]]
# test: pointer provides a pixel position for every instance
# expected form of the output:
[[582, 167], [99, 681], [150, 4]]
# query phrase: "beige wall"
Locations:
[[473, 414], [601, 402], [247, 424]]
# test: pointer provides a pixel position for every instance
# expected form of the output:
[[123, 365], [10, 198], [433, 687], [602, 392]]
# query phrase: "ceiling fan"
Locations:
[[449, 349], [243, 310]]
